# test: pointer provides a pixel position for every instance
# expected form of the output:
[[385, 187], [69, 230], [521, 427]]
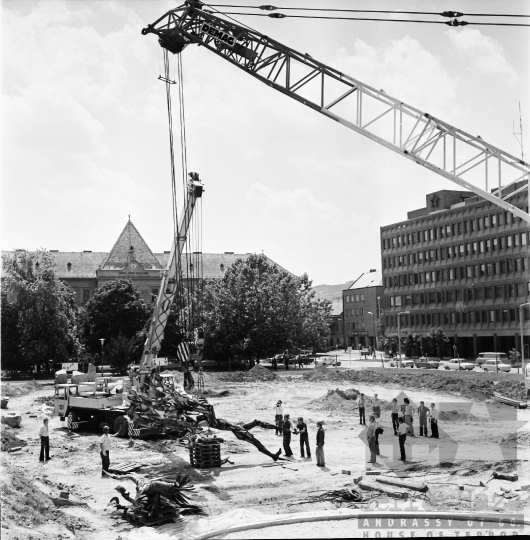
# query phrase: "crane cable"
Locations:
[[454, 22]]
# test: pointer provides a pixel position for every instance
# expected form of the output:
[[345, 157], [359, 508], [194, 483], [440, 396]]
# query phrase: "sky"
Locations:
[[85, 128]]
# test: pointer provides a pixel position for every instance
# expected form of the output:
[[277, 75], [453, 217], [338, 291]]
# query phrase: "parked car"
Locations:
[[484, 356], [458, 364], [405, 362], [327, 361], [496, 365], [426, 363]]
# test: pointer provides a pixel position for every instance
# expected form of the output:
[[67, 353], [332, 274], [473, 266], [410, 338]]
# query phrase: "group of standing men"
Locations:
[[402, 423], [284, 428]]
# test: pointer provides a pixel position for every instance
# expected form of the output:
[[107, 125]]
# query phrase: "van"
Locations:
[[483, 356]]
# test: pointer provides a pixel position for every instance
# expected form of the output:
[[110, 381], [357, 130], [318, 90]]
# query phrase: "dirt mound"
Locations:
[[473, 385], [345, 401], [47, 400], [25, 505], [19, 389], [521, 438], [10, 440], [213, 393], [455, 416], [257, 373]]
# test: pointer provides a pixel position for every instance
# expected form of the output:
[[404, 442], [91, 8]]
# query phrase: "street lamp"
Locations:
[[399, 333], [521, 312], [102, 341]]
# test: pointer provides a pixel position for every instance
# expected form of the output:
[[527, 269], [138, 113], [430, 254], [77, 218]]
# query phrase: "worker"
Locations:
[[376, 407], [408, 416], [278, 415], [321, 461], [362, 418], [434, 422], [301, 428], [395, 415], [378, 431], [423, 413], [403, 429], [370, 436], [44, 441], [104, 444], [286, 430], [286, 360]]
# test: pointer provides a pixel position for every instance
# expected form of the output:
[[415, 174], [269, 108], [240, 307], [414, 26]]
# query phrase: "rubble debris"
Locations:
[[369, 485], [205, 452], [510, 401], [9, 440], [125, 467], [3, 402], [511, 477], [157, 501], [470, 384], [350, 497], [257, 374], [11, 418]]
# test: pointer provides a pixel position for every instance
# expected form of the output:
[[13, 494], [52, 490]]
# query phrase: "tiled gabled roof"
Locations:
[[130, 245]]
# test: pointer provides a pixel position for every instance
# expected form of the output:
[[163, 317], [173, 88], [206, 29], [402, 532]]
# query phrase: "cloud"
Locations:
[[483, 53], [404, 69], [293, 209]]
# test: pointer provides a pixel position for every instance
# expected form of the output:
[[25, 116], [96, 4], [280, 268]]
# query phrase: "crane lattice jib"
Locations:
[[171, 277], [467, 160]]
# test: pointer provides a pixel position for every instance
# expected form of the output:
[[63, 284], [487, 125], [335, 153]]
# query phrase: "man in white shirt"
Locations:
[[434, 422], [44, 441], [104, 444], [402, 430], [278, 416]]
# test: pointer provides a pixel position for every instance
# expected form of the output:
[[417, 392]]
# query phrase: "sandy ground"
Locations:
[[255, 482]]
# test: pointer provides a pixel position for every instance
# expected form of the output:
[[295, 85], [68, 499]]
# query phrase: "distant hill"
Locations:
[[333, 293]]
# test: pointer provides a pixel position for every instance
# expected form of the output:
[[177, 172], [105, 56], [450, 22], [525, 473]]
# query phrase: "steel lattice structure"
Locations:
[[464, 159]]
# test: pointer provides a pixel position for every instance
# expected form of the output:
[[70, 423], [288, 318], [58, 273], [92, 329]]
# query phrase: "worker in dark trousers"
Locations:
[[395, 415], [370, 437], [402, 430], [434, 422], [362, 418], [301, 427], [286, 429], [44, 441], [278, 417], [423, 413]]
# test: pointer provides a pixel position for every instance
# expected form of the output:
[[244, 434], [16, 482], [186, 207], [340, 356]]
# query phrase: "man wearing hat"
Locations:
[[104, 444]]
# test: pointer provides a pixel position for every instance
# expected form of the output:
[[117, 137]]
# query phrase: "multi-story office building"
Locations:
[[462, 264], [361, 310]]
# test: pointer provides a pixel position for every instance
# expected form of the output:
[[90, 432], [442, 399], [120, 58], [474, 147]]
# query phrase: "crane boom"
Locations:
[[170, 276], [464, 159]]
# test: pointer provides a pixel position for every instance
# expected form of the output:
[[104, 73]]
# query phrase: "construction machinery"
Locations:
[[466, 160]]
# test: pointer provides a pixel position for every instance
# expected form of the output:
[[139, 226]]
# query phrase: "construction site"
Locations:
[[191, 453]]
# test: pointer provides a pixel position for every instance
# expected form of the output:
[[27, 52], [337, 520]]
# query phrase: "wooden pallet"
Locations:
[[204, 456], [125, 467]]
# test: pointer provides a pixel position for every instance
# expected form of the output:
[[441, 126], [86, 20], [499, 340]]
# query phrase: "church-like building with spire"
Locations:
[[130, 258]]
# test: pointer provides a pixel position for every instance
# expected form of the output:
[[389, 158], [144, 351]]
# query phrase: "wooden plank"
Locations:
[[373, 486]]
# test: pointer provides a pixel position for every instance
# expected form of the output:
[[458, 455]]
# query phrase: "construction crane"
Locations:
[[464, 159], [170, 277]]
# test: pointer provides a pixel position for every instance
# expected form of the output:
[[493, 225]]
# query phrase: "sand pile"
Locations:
[[257, 373], [345, 401], [10, 440]]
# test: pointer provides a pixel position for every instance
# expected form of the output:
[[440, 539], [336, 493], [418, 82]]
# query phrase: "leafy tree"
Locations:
[[410, 343], [435, 342], [120, 351], [43, 312], [258, 309], [116, 308], [12, 360]]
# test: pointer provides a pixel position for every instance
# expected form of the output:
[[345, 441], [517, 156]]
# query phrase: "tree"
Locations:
[[258, 309], [116, 308], [12, 360], [410, 343], [43, 311], [120, 351], [435, 341]]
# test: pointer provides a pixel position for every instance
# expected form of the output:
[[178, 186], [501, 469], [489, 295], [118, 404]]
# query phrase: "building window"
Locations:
[[523, 239], [517, 263], [492, 315], [472, 225], [499, 291], [509, 266], [469, 271], [69, 267], [449, 296], [486, 222], [488, 292], [477, 316], [511, 290], [478, 294], [494, 220], [482, 269], [86, 295], [515, 240], [508, 241], [495, 243], [505, 316], [451, 274], [520, 289], [488, 269], [481, 246]]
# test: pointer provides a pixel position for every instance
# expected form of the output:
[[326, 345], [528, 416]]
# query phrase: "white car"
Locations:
[[394, 362], [496, 365], [458, 364]]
